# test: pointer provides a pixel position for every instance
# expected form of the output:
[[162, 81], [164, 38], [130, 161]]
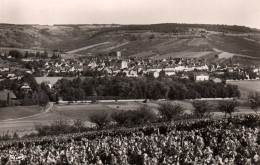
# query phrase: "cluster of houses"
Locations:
[[131, 67], [63, 66]]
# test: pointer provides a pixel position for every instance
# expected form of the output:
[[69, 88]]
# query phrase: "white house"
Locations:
[[124, 65], [4, 69], [201, 76]]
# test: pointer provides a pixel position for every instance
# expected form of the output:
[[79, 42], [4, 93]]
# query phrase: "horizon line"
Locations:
[[125, 24]]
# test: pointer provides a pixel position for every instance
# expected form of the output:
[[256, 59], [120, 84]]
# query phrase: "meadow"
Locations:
[[82, 111], [18, 111], [246, 87]]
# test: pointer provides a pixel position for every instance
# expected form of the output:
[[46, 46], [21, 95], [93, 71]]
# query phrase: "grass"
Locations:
[[18, 112], [246, 87], [82, 111]]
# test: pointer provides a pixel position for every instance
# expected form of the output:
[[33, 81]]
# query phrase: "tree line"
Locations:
[[117, 87], [141, 88]]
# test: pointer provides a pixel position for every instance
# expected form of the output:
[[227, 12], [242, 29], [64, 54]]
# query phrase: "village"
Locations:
[[185, 68]]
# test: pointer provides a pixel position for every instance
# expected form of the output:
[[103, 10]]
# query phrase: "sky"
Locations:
[[230, 12]]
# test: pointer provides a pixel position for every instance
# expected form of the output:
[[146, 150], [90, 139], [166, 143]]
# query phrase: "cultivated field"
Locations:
[[187, 54], [235, 45]]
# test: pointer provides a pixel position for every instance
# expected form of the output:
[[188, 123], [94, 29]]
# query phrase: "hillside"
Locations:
[[158, 41]]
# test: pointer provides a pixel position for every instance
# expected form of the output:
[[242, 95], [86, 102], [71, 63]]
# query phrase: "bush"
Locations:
[[201, 108], [169, 111], [101, 119], [140, 116], [121, 117], [60, 126], [146, 114], [3, 103], [79, 125]]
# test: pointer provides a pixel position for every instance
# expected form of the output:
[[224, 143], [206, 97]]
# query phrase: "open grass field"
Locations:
[[246, 87], [18, 111]]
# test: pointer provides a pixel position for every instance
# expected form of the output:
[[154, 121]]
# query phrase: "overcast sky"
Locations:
[[232, 12]]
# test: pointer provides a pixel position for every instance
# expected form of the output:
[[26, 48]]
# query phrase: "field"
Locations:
[[18, 111], [71, 112], [246, 87], [187, 54], [234, 44]]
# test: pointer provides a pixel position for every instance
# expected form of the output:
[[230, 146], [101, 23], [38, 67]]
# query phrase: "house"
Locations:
[[132, 73], [124, 64], [4, 69], [201, 76], [170, 72], [257, 69], [154, 73], [215, 79], [92, 64], [26, 87]]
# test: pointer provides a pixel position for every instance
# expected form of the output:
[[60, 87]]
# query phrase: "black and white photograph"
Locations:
[[129, 82]]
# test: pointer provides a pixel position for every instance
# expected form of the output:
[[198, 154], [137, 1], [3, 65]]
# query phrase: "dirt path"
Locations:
[[87, 47]]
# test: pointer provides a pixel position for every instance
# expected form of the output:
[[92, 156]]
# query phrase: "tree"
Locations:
[[45, 54], [26, 55], [101, 119], [254, 101], [16, 54], [168, 110], [201, 108], [228, 106], [146, 114]]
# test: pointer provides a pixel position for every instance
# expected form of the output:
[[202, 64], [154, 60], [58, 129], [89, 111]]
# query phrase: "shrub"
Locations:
[[79, 125], [134, 117], [146, 114], [121, 117], [101, 119], [57, 127], [169, 111], [201, 108], [3, 103]]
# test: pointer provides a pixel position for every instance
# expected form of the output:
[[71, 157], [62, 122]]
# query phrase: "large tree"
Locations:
[[254, 101], [169, 111], [228, 106], [201, 108]]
